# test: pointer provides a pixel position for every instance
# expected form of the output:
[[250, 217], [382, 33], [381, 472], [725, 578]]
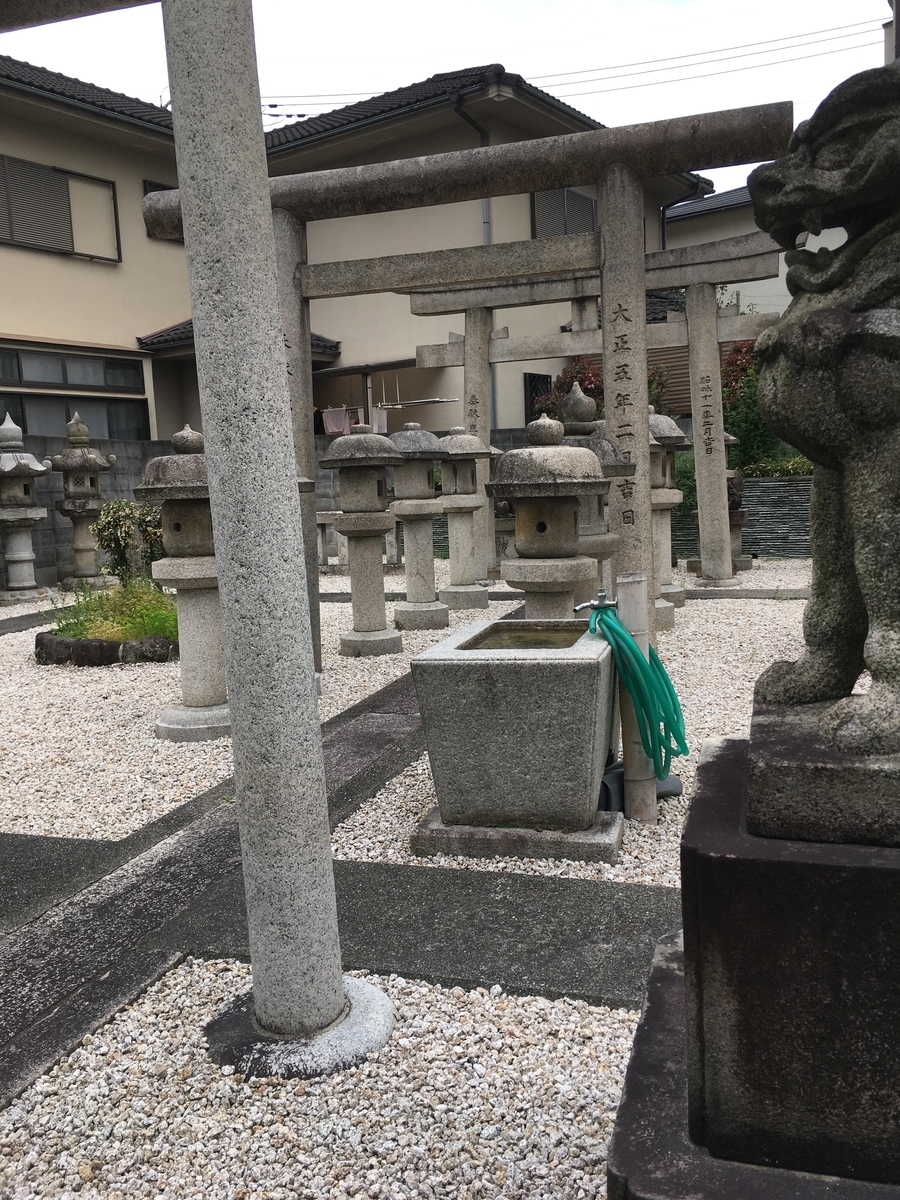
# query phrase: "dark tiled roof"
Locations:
[[736, 198], [659, 303], [437, 89], [74, 91], [183, 335]]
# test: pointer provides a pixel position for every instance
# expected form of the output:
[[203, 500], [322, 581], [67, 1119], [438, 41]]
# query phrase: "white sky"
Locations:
[[307, 54]]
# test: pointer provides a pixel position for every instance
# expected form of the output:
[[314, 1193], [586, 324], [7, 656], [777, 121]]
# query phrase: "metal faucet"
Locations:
[[600, 602]]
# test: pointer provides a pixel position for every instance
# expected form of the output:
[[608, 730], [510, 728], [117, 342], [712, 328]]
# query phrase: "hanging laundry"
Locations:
[[336, 420]]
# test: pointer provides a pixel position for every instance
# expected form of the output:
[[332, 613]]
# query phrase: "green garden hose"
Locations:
[[656, 706]]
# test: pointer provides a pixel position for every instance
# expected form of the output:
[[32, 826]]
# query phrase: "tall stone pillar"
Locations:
[[620, 215], [290, 251], [279, 769], [477, 419], [710, 460]]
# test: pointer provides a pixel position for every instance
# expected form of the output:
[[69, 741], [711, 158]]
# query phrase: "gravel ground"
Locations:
[[35, 606], [478, 1094], [766, 572], [87, 762]]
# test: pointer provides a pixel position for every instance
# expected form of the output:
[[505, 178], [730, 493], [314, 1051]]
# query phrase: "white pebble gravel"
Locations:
[[478, 1094], [82, 760], [765, 573]]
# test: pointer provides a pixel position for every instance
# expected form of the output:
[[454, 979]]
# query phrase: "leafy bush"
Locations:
[[130, 535], [685, 478], [590, 377], [798, 465], [135, 610], [580, 370], [740, 377]]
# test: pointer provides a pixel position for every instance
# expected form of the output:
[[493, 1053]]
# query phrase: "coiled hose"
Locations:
[[659, 716]]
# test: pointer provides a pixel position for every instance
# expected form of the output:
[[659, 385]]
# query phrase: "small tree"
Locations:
[[130, 535], [740, 378], [590, 377], [580, 370]]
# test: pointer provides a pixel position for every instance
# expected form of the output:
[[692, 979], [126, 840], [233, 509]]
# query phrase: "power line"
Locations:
[[711, 61], [648, 62], [748, 46], [711, 74]]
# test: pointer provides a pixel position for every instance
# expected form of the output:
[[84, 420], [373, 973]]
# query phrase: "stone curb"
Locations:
[[51, 649], [394, 597], [739, 593]]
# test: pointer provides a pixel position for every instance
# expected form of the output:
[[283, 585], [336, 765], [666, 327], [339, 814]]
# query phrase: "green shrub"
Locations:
[[130, 535], [135, 610], [798, 465], [685, 477], [740, 407]]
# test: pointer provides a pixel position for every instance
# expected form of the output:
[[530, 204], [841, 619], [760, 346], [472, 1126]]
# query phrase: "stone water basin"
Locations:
[[517, 718]]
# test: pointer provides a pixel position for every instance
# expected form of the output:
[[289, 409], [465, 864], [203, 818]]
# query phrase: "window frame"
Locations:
[[65, 386], [25, 245], [71, 403]]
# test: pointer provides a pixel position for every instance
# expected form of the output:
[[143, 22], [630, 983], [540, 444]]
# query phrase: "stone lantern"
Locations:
[[81, 468], [179, 481], [360, 458], [18, 513], [461, 500], [416, 505], [546, 481], [578, 414], [665, 440]]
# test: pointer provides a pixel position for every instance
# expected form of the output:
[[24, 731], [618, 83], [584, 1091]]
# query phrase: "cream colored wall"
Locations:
[[61, 298], [761, 295]]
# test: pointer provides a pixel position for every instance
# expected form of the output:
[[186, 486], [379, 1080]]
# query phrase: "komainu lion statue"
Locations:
[[830, 385]]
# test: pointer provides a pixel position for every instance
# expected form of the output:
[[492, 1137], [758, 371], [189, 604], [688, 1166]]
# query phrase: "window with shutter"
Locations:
[[49, 208], [563, 211], [38, 206]]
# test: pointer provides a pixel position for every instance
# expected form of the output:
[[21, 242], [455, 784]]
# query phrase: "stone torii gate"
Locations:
[[612, 159], [241, 287], [698, 269], [234, 319]]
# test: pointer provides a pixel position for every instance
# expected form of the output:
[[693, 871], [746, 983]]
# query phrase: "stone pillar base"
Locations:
[[421, 616], [600, 842], [236, 1040], [178, 723], [464, 595], [97, 582], [664, 614], [24, 596], [703, 582], [371, 642], [674, 595]]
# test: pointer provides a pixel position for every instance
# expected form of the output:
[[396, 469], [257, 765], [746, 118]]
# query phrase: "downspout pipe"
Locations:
[[456, 105]]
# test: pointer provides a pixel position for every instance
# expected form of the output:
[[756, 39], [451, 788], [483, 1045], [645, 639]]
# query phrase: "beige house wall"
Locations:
[[63, 298]]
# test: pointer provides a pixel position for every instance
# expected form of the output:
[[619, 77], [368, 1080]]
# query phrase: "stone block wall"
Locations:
[[777, 520]]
